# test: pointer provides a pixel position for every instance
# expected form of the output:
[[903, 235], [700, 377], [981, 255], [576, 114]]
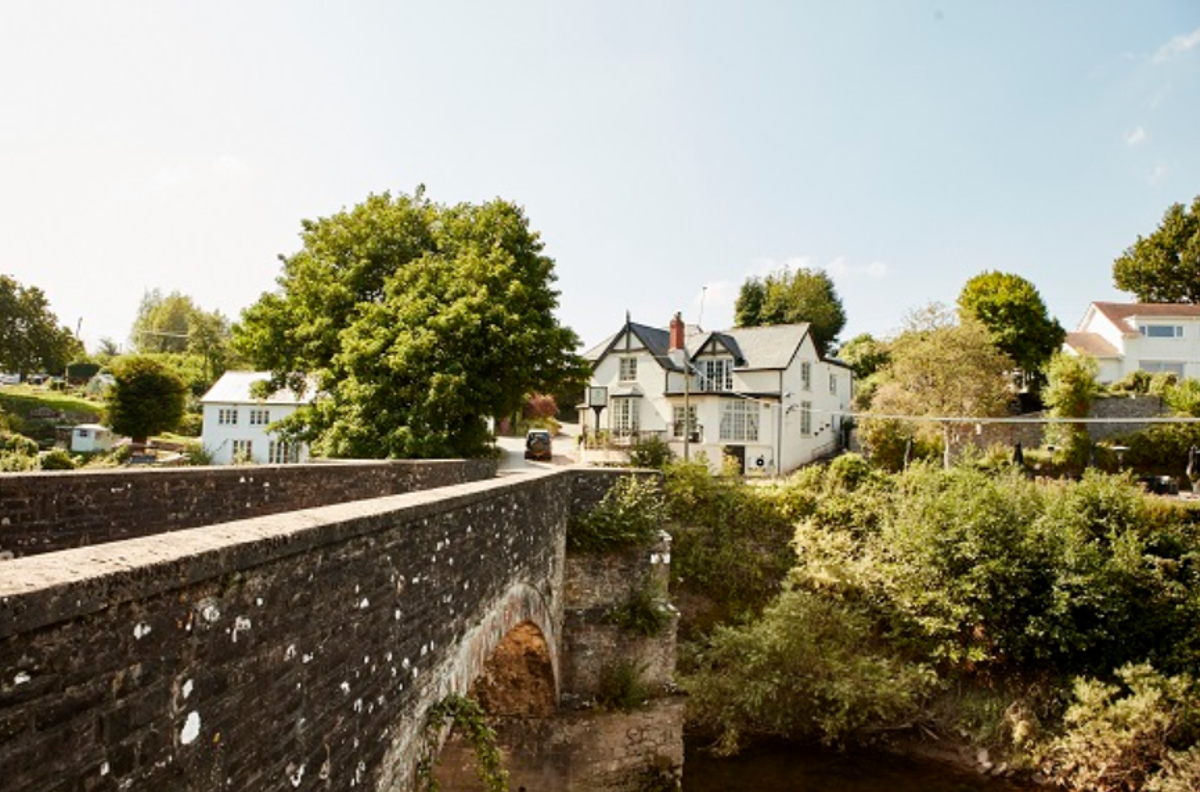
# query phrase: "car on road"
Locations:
[[537, 445]]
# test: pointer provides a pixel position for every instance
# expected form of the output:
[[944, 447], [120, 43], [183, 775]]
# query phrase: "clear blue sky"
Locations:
[[664, 150]]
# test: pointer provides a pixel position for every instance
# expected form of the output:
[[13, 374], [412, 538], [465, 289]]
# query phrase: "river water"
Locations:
[[781, 768]]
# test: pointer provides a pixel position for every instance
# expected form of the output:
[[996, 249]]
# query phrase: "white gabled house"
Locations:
[[762, 395], [1151, 337], [237, 425]]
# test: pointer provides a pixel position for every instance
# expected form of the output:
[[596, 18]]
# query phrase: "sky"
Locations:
[[665, 151]]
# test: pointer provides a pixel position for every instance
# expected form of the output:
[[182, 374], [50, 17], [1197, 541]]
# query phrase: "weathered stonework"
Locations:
[[47, 512], [582, 751], [292, 651], [598, 583]]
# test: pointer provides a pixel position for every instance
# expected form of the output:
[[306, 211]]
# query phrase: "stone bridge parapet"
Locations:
[[297, 650]]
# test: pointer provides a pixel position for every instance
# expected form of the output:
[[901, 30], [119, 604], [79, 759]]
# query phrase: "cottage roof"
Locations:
[[1092, 344], [235, 387], [771, 347]]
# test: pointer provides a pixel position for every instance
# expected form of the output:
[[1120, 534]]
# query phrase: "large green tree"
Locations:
[[790, 297], [146, 398], [176, 324], [419, 320], [1012, 310], [31, 339], [1165, 266], [938, 372]]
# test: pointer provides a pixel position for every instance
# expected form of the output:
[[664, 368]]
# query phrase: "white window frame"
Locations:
[[243, 449], [259, 416], [806, 419], [677, 421], [833, 383], [623, 416], [628, 370], [1161, 331], [716, 374], [227, 416], [281, 453], [806, 375], [739, 421]]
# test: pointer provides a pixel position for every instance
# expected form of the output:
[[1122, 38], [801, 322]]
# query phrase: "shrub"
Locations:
[[644, 612], [1123, 736], [631, 513], [812, 667], [57, 459], [622, 686], [651, 452], [731, 542]]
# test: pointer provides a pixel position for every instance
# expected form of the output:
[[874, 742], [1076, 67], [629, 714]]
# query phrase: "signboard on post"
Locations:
[[597, 399]]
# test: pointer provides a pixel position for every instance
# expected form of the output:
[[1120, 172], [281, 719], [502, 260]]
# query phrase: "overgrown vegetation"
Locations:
[[622, 686], [645, 612], [1057, 621], [465, 715], [631, 513]]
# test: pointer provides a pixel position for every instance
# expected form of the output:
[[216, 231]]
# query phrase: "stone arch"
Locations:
[[512, 656], [518, 679]]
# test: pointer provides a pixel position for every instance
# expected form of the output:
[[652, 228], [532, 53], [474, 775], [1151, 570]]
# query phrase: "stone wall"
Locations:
[[583, 751], [291, 651], [1123, 407], [46, 512], [598, 583]]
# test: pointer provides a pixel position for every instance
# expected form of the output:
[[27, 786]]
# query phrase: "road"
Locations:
[[512, 458]]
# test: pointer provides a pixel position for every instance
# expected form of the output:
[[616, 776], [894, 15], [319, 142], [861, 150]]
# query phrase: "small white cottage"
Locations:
[[91, 439], [237, 426]]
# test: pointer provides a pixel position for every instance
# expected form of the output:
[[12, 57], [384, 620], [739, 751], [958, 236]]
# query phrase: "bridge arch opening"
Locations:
[[518, 678]]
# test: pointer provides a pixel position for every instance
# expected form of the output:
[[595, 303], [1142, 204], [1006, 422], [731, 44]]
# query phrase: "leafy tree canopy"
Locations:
[[146, 397], [31, 339], [1165, 266], [419, 320], [865, 354], [175, 323], [1013, 312], [938, 369], [790, 297]]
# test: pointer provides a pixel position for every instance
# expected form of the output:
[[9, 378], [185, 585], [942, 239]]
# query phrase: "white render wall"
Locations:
[[780, 446], [218, 438]]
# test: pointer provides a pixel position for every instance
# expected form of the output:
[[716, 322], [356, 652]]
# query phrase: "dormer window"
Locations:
[[716, 374], [1161, 331], [628, 369]]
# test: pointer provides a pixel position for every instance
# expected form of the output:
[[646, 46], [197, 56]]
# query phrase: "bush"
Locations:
[[631, 513], [811, 668], [652, 452], [644, 612], [731, 542], [57, 459], [1139, 734], [622, 687]]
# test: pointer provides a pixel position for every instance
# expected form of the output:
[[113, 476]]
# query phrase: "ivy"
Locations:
[[466, 716]]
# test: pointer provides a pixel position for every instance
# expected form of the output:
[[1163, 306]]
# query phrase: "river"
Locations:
[[782, 768]]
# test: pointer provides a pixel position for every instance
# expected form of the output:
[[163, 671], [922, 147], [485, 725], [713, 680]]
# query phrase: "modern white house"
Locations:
[[237, 426], [1151, 337], [762, 395]]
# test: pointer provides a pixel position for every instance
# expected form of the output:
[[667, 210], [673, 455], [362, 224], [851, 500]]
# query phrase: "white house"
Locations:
[[91, 438], [237, 426], [1151, 337], [762, 395]]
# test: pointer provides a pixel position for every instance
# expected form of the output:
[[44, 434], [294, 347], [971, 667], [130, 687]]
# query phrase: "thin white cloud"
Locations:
[[1136, 138], [1178, 46], [839, 267], [1158, 175]]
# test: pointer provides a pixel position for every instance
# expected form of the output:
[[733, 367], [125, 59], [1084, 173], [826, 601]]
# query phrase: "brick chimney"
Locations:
[[676, 331]]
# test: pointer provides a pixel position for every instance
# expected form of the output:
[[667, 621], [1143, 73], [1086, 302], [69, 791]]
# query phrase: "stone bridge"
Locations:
[[163, 644]]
